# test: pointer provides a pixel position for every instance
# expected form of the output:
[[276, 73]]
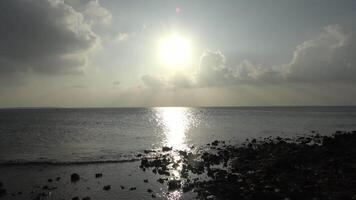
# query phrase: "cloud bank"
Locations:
[[44, 36], [329, 57]]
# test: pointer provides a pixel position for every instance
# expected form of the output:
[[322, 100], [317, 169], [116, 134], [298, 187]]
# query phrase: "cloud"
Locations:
[[121, 37], [328, 57], [94, 13], [43, 36], [153, 81], [213, 71]]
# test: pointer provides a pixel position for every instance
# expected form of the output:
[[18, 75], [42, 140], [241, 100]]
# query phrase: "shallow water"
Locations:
[[117, 134]]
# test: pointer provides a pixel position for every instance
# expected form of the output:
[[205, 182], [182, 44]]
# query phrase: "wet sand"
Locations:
[[41, 182]]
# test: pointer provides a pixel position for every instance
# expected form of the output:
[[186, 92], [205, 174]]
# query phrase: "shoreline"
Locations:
[[304, 167]]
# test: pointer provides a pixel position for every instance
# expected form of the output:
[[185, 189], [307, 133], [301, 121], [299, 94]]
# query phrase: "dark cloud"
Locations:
[[44, 36]]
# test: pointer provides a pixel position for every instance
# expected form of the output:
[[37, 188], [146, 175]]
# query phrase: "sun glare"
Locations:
[[174, 50]]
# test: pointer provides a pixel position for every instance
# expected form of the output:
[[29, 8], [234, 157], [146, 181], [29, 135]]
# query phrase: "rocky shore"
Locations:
[[310, 167]]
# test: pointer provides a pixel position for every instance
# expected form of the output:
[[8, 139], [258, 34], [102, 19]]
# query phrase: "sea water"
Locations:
[[76, 135]]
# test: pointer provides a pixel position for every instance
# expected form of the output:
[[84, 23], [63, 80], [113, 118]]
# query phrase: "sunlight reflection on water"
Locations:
[[175, 123]]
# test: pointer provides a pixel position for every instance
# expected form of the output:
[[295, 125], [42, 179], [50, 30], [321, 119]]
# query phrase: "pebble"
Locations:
[[107, 187], [74, 177]]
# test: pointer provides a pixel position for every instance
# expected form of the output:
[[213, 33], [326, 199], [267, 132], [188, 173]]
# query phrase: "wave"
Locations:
[[54, 162]]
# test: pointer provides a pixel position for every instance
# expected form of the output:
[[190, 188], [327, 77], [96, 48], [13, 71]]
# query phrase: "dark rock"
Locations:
[[166, 149], [50, 180], [74, 177], [144, 163], [107, 187], [174, 184], [161, 180], [3, 192], [75, 198], [163, 172], [58, 178], [98, 175], [175, 165], [139, 155], [149, 190], [86, 198], [145, 180], [1, 185], [122, 187], [215, 143], [132, 188], [187, 187], [153, 196]]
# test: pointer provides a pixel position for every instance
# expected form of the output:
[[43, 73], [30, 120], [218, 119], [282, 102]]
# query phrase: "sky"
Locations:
[[115, 53]]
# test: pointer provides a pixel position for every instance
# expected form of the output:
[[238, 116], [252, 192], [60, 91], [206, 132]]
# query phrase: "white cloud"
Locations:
[[93, 12], [329, 57], [121, 37]]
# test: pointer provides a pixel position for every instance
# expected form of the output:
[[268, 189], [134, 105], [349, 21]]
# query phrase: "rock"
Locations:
[[175, 165], [166, 149], [145, 180], [215, 143], [74, 177], [132, 188], [149, 151], [98, 175], [139, 155], [163, 172], [86, 198], [3, 192], [144, 163], [1, 185], [161, 180], [153, 196], [107, 187], [188, 187], [122, 187], [174, 184], [75, 198], [149, 190], [58, 178], [50, 180]]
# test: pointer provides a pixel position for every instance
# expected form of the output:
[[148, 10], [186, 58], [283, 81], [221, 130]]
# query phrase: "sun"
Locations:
[[174, 50]]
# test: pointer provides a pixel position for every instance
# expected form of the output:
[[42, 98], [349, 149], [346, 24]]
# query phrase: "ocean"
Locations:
[[85, 135]]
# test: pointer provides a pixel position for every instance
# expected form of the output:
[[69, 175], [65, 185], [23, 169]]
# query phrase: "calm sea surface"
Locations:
[[101, 134]]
